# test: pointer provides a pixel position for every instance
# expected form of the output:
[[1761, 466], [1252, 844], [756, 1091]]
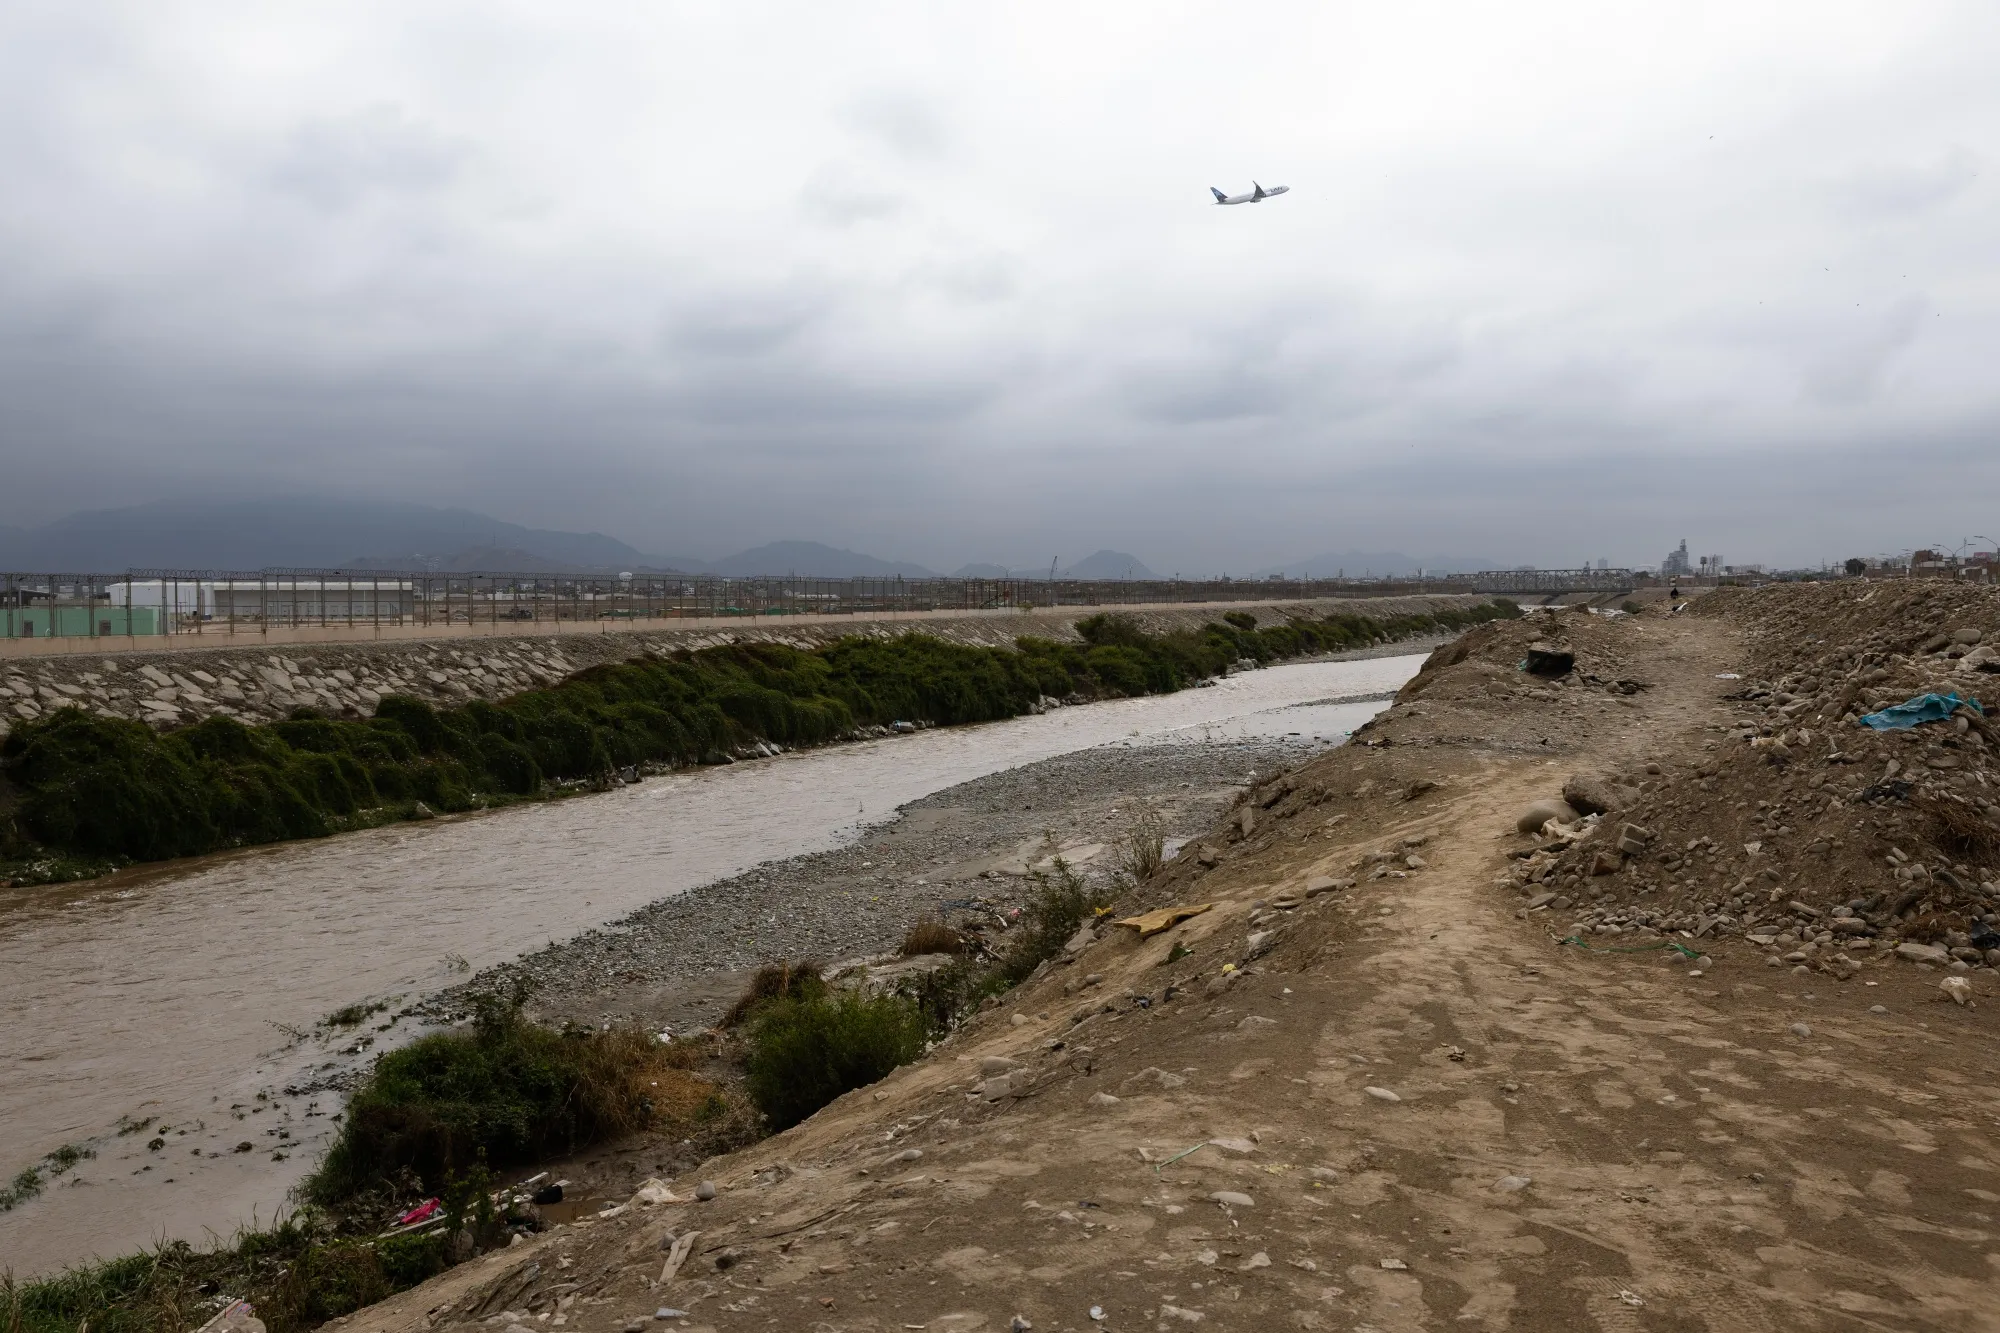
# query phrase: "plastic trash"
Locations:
[[423, 1212], [1923, 708], [234, 1317]]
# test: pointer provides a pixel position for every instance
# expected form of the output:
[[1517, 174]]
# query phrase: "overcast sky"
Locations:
[[1554, 281]]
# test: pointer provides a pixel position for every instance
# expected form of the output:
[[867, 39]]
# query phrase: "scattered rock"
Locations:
[[1233, 1199], [1592, 795], [1382, 1094], [705, 1191], [1542, 812], [1512, 1184]]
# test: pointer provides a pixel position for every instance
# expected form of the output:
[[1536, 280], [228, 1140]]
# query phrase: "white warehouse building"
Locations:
[[290, 601]]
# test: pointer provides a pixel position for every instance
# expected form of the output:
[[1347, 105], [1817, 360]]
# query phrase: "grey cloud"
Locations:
[[840, 198], [907, 123], [977, 279], [1852, 368], [1909, 187], [333, 163], [678, 300], [742, 324]]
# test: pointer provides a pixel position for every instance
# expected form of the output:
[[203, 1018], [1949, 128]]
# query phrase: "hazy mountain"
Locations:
[[255, 534], [813, 560], [1359, 564], [499, 560], [1103, 565], [1109, 565]]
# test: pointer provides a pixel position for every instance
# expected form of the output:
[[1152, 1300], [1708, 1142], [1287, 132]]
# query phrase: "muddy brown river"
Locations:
[[173, 996]]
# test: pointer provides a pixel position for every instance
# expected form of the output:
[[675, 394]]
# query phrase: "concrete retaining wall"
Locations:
[[257, 684]]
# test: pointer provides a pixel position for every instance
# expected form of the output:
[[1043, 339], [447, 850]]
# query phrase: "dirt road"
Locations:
[[1401, 1104]]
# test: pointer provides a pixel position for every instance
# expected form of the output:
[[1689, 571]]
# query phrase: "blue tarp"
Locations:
[[1923, 708]]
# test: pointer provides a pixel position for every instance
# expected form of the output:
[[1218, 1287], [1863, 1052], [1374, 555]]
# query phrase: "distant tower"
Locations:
[[1676, 564]]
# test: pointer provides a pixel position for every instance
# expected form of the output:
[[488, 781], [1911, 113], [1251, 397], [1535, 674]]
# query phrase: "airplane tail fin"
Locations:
[[1220, 197]]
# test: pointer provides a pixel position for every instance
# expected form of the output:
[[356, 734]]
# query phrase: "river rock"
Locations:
[[1922, 953], [1541, 812], [1593, 795]]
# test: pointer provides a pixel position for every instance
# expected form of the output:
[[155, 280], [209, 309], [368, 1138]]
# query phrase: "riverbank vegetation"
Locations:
[[502, 1092], [807, 1041], [80, 789], [444, 1118]]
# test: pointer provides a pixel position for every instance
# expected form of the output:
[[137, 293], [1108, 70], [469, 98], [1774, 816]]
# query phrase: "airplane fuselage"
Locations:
[[1256, 196]]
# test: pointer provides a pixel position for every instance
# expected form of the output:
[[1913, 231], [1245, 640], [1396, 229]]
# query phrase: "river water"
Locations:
[[175, 994]]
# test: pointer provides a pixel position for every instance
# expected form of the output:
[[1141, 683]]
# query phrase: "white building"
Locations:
[[288, 601]]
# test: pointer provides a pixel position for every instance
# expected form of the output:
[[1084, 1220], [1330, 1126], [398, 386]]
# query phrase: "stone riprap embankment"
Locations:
[[257, 684]]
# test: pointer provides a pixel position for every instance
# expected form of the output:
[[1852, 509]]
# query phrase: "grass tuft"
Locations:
[[776, 981], [1144, 849], [928, 937]]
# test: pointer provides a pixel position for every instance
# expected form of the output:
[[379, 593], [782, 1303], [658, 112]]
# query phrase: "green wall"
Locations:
[[41, 622]]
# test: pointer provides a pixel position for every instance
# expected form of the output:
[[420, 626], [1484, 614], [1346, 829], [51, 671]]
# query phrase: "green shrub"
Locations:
[[1062, 903], [504, 1092], [804, 1052], [77, 785], [944, 995]]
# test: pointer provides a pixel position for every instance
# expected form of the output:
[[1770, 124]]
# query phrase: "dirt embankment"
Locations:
[[1372, 1087]]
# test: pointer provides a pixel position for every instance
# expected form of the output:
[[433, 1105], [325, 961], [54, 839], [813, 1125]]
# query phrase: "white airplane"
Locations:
[[1256, 196]]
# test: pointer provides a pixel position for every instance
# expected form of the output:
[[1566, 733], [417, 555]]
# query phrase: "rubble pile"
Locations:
[[1791, 822]]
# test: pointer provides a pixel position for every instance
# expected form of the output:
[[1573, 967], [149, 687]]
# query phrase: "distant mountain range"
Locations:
[[237, 534], [1360, 564], [1103, 565], [343, 534], [812, 560], [355, 534]]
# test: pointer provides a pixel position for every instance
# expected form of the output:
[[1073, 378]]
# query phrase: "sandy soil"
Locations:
[[1398, 1105]]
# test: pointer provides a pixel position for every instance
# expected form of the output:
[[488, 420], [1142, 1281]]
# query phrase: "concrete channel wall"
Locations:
[[259, 683]]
